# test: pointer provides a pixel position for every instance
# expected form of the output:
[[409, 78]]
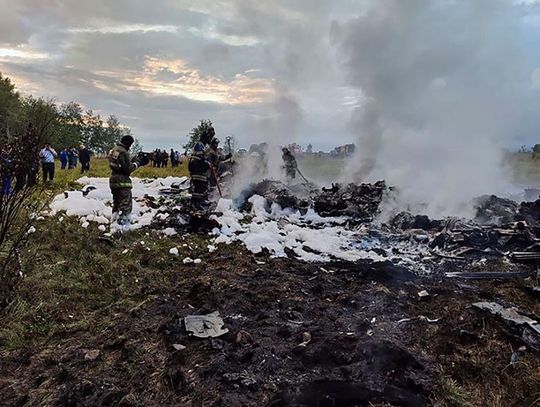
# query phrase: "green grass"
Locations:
[[99, 167], [75, 281], [318, 168], [524, 169]]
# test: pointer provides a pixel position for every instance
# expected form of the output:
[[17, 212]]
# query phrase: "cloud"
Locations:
[[21, 53], [165, 65], [126, 29]]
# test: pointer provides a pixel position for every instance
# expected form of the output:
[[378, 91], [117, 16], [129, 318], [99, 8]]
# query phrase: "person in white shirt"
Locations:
[[47, 155]]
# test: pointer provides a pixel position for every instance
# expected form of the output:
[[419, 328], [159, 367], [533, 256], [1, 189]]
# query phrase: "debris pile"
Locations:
[[359, 202], [320, 225], [492, 210]]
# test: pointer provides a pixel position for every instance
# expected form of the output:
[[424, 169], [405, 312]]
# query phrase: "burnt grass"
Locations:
[[108, 333]]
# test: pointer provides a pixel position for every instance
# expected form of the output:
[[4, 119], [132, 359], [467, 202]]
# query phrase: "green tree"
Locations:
[[10, 103], [63, 126], [536, 151], [205, 127], [69, 129], [41, 114]]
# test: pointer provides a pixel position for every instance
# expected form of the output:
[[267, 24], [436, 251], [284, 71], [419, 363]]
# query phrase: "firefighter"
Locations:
[[207, 136], [216, 159], [290, 163], [122, 166], [198, 168]]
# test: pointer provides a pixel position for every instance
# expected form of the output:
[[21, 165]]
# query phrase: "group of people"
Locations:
[[16, 174], [206, 165], [160, 158], [20, 171], [69, 157]]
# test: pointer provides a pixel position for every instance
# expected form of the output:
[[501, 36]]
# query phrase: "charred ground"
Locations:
[[99, 327]]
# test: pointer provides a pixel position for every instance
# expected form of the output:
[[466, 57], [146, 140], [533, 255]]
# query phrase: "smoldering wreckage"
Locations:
[[326, 305]]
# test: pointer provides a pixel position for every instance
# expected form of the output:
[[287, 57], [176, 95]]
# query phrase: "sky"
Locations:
[[282, 70]]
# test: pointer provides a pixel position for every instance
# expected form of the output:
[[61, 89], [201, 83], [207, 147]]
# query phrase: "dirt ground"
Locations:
[[369, 339]]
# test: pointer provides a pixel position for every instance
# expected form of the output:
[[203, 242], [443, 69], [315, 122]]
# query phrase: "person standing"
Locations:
[[75, 154], [157, 159], [198, 169], [70, 158], [216, 158], [6, 170], [63, 158], [122, 166], [164, 159], [47, 155], [290, 164], [84, 158]]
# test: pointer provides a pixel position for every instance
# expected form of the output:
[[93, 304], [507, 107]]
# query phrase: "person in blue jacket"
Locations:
[[63, 158]]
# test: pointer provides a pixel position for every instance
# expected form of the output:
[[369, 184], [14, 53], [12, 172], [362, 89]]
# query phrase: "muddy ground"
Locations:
[[357, 354]]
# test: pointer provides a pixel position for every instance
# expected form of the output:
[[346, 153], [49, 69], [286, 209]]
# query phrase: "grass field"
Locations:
[[99, 167], [523, 170]]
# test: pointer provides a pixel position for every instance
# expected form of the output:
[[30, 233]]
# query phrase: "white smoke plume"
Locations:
[[446, 84], [277, 127]]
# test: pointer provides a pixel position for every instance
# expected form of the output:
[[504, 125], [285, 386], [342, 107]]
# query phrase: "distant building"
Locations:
[[343, 151]]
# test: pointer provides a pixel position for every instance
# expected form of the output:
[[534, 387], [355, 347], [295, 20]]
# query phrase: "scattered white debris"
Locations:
[[85, 225], [268, 228], [429, 320], [125, 251], [91, 355], [187, 260], [423, 294], [102, 228], [169, 232], [274, 229], [95, 198], [197, 261], [404, 320], [174, 251], [31, 230]]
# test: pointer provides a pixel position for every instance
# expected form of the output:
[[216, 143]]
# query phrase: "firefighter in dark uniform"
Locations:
[[198, 168], [216, 159], [290, 163], [122, 166]]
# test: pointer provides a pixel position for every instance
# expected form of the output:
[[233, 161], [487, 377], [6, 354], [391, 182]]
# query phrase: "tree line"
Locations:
[[26, 124], [63, 125]]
